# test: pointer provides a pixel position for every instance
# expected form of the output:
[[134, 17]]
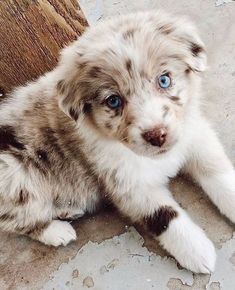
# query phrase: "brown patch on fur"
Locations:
[[163, 64], [196, 49], [87, 108], [8, 139], [143, 74], [18, 156], [73, 114], [69, 91], [159, 221], [176, 100], [108, 125], [129, 119], [23, 197], [116, 112], [188, 70], [123, 128], [30, 161], [38, 105], [166, 28], [129, 33], [59, 202], [56, 201], [128, 65], [95, 72], [61, 86], [165, 110], [6, 217], [42, 155], [128, 92], [51, 141]]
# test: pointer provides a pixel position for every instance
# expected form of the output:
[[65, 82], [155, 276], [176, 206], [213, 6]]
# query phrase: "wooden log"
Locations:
[[31, 34]]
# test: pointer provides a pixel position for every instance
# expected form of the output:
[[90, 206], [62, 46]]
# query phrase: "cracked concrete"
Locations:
[[109, 254], [122, 256]]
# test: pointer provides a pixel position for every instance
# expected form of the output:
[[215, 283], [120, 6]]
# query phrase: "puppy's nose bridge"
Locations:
[[156, 136], [152, 107]]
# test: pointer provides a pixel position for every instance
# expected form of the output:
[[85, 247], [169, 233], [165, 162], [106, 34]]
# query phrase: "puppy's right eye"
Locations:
[[114, 101]]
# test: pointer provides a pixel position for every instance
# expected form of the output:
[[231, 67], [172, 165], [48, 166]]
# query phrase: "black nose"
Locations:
[[156, 137]]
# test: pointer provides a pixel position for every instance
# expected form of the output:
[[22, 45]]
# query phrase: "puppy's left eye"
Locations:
[[114, 101], [164, 81]]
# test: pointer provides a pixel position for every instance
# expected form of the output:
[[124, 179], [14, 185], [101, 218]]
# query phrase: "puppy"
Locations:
[[117, 117]]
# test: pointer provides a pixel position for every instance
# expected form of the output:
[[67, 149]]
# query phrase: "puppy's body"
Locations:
[[63, 148]]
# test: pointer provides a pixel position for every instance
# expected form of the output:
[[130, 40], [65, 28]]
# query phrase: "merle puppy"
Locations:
[[117, 117]]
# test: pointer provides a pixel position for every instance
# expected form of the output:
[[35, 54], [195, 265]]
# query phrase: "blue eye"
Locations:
[[164, 81], [114, 101]]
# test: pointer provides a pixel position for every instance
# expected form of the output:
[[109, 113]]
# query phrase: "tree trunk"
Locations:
[[31, 34]]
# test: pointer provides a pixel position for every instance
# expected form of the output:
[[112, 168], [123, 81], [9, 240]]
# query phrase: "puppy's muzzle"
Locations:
[[156, 136]]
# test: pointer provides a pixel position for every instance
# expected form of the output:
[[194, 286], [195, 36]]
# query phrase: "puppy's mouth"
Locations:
[[149, 151], [167, 148], [161, 151]]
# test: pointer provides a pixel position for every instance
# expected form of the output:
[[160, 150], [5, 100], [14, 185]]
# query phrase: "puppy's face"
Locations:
[[134, 79]]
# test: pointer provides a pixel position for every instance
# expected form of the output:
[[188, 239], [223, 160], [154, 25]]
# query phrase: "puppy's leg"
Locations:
[[209, 165], [163, 217], [23, 211], [57, 233], [34, 219]]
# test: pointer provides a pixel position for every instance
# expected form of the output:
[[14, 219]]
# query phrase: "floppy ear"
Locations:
[[199, 59], [70, 101], [183, 31], [189, 34], [68, 89]]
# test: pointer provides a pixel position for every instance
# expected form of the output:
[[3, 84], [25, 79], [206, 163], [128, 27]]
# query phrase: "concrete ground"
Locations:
[[110, 253]]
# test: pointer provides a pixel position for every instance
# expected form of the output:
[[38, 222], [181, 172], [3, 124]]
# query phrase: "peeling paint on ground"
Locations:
[[225, 269], [100, 267], [198, 284]]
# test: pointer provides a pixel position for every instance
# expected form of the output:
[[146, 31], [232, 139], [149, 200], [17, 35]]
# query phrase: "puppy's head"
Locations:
[[134, 79]]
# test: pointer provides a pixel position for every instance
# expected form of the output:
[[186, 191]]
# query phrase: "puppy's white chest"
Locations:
[[159, 170], [133, 170]]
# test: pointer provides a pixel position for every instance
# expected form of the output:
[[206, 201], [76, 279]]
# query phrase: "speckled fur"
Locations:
[[63, 150]]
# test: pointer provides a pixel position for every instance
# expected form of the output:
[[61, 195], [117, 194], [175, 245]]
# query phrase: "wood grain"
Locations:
[[31, 34]]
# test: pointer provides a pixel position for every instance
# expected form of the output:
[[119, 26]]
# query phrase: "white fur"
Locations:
[[140, 174], [58, 233], [189, 245]]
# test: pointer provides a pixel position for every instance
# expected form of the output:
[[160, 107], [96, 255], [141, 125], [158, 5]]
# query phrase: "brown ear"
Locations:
[[69, 99], [187, 34], [68, 89], [199, 58], [190, 36]]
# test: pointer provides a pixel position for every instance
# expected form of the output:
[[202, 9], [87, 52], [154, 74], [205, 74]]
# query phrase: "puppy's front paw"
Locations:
[[197, 253], [58, 233]]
